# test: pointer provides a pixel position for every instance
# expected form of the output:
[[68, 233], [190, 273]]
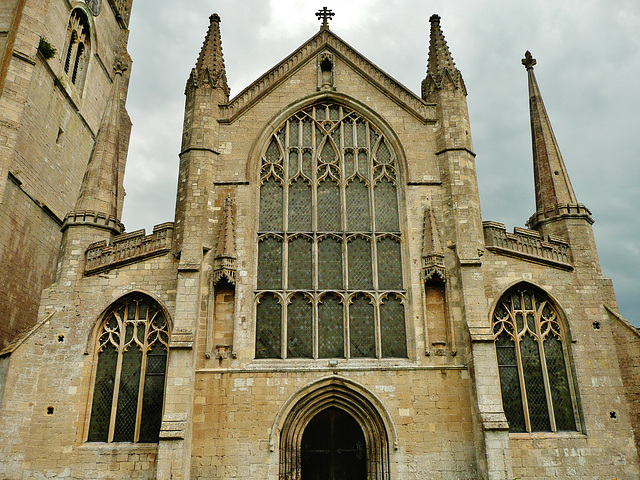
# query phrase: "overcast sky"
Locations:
[[588, 70]]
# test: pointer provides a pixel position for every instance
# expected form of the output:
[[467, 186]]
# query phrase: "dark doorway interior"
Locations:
[[333, 447]]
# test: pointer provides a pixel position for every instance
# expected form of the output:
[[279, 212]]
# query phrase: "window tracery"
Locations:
[[130, 376], [77, 50], [537, 393], [329, 243]]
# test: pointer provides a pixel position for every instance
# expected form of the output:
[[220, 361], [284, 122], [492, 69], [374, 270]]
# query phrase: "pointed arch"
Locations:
[[348, 396], [331, 159], [132, 343], [532, 348]]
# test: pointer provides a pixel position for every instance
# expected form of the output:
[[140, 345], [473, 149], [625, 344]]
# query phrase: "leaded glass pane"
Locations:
[[329, 211], [128, 393], [349, 163], [357, 197], [306, 163], [270, 264], [534, 384], [271, 206], [293, 133], [510, 382], [272, 155], [386, 201], [268, 327], [559, 383], [361, 132], [335, 136], [330, 264], [299, 328], [348, 133], [383, 155], [392, 328], [334, 112], [363, 164], [328, 154], [153, 394], [330, 327], [307, 129], [300, 266], [293, 162], [389, 264], [362, 328], [360, 276], [299, 206], [103, 393]]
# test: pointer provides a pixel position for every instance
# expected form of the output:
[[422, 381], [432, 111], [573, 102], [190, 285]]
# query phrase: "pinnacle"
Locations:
[[440, 65], [210, 65]]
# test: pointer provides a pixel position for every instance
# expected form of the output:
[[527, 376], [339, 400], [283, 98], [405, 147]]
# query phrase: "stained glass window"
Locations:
[[530, 346], [130, 375], [330, 282]]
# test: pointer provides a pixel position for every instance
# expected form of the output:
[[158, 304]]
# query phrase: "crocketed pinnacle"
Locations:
[[99, 190], [552, 183], [210, 69], [224, 263], [440, 65]]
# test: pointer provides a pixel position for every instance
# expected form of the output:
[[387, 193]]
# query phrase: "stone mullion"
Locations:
[[143, 372], [543, 365], [122, 326], [344, 243], [523, 386]]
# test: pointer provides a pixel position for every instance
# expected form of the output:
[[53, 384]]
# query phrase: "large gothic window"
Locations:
[[329, 243], [532, 360], [130, 376]]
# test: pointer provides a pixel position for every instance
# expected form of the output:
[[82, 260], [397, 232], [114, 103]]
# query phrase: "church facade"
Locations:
[[327, 303]]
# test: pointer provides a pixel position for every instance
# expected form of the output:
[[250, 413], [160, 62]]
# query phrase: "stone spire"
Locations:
[[101, 184], [554, 193], [441, 70], [210, 69], [224, 263]]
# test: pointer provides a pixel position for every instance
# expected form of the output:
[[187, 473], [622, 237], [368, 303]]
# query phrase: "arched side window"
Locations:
[[77, 48], [329, 243], [537, 392], [129, 386]]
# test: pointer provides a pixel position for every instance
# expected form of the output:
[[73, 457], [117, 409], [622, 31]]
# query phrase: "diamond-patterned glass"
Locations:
[[299, 327], [300, 266], [358, 216], [128, 394], [392, 329], [534, 384], [322, 175], [270, 264], [510, 382], [359, 258], [153, 392], [330, 268], [268, 327], [560, 391], [329, 210], [299, 206], [386, 201], [389, 264], [103, 394], [330, 327], [362, 328], [271, 195]]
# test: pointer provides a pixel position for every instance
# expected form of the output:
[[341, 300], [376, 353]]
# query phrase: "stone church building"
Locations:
[[328, 302]]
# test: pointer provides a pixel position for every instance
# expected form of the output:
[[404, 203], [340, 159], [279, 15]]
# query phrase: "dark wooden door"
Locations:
[[333, 447]]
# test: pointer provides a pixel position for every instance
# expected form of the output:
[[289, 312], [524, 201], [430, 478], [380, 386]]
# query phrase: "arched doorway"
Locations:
[[333, 447], [337, 422]]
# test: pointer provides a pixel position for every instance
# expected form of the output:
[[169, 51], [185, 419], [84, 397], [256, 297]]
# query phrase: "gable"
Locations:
[[327, 42]]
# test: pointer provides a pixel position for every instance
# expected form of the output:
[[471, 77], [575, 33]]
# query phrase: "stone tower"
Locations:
[[56, 75]]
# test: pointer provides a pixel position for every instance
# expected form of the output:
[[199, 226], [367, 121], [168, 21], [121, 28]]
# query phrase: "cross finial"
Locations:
[[528, 61], [326, 15]]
